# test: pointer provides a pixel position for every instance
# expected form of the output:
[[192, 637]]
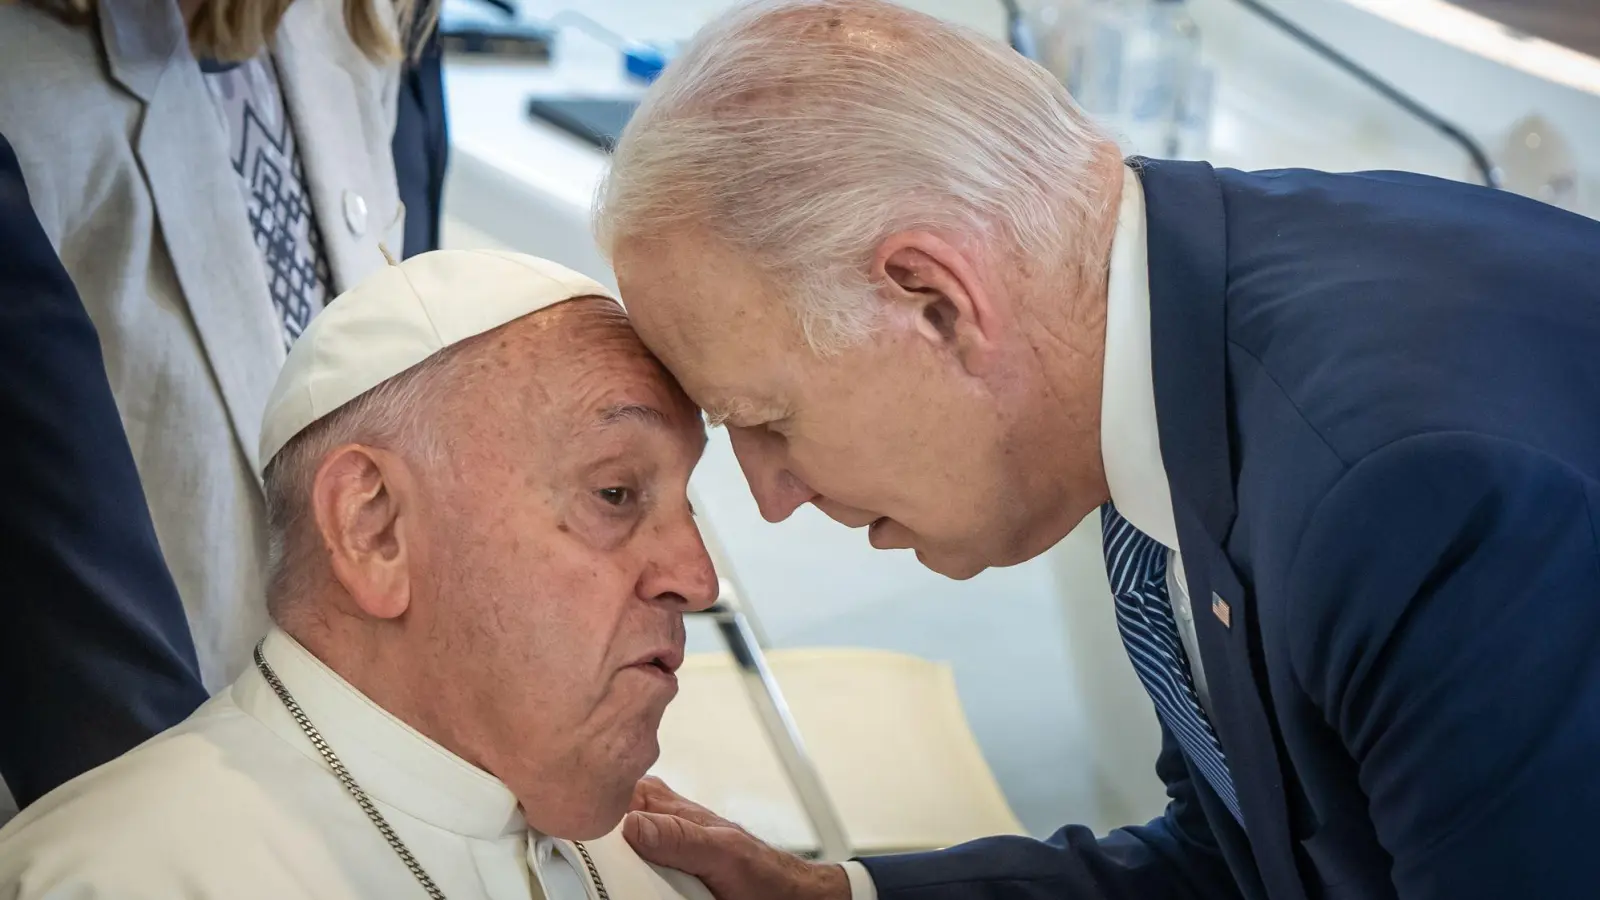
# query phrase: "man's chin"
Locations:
[[644, 751], [887, 534], [954, 568], [607, 800]]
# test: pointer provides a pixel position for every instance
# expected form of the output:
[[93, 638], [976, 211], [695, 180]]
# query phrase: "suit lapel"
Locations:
[[199, 207], [1188, 284], [1231, 655], [334, 97]]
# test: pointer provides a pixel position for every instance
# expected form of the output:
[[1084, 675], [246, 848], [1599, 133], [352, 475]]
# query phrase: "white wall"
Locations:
[[1285, 107]]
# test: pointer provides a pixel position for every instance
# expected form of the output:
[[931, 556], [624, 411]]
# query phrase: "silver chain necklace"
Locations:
[[364, 801]]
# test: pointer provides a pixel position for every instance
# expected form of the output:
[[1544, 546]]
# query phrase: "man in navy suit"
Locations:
[[422, 144], [95, 653], [1343, 432]]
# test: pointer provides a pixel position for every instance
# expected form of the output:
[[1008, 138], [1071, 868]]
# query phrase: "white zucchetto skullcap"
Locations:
[[399, 317]]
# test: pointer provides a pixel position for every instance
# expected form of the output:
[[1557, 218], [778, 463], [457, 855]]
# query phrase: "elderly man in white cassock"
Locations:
[[483, 550]]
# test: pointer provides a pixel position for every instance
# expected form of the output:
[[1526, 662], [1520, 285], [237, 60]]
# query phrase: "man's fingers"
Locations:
[[732, 864], [649, 788], [653, 796], [642, 793], [675, 842]]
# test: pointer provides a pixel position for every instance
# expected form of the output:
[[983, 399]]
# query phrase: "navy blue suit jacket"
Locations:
[[1379, 407], [421, 146], [95, 652]]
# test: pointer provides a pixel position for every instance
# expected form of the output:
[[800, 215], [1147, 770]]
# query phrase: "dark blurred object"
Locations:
[[1019, 34], [525, 44], [422, 146], [597, 121], [95, 652], [506, 7], [1571, 23], [504, 37]]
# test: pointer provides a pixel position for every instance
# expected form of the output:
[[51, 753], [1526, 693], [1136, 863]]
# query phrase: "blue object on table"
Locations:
[[643, 61]]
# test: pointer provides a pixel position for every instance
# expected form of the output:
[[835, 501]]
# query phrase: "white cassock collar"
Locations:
[[1130, 444], [392, 761]]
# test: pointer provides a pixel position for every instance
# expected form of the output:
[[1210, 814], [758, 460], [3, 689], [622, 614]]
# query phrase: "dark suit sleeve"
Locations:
[[1450, 633], [421, 146], [1174, 857], [95, 652]]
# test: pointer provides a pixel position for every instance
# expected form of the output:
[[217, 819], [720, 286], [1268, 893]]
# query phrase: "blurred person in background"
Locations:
[[95, 654], [1342, 431], [422, 143], [210, 172]]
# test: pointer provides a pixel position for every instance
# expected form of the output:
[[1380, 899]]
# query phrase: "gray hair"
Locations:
[[399, 415], [801, 133]]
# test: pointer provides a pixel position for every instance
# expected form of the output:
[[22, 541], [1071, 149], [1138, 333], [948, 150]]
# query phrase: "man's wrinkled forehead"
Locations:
[[605, 379], [713, 320], [694, 285]]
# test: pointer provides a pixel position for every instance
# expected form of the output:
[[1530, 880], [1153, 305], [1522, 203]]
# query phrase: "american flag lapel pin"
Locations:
[[1220, 609]]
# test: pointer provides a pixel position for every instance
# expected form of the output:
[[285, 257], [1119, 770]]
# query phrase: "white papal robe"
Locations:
[[236, 803]]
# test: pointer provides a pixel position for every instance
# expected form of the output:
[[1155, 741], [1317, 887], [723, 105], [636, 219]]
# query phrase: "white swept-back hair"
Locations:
[[801, 133]]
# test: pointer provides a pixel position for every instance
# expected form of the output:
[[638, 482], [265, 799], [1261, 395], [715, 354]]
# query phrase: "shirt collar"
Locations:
[[392, 761], [1130, 443]]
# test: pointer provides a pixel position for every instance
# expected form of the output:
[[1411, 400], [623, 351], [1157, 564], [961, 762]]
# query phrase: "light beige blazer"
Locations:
[[127, 161]]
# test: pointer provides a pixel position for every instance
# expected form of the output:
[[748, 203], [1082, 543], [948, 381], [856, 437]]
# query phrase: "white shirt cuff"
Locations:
[[861, 886]]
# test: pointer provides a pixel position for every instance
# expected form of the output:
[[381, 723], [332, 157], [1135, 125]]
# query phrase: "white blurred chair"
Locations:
[[884, 731]]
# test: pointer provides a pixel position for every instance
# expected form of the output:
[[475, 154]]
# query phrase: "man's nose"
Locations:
[[778, 491], [685, 576]]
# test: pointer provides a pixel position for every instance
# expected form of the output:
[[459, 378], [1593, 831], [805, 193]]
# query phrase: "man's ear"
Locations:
[[938, 285], [364, 503]]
